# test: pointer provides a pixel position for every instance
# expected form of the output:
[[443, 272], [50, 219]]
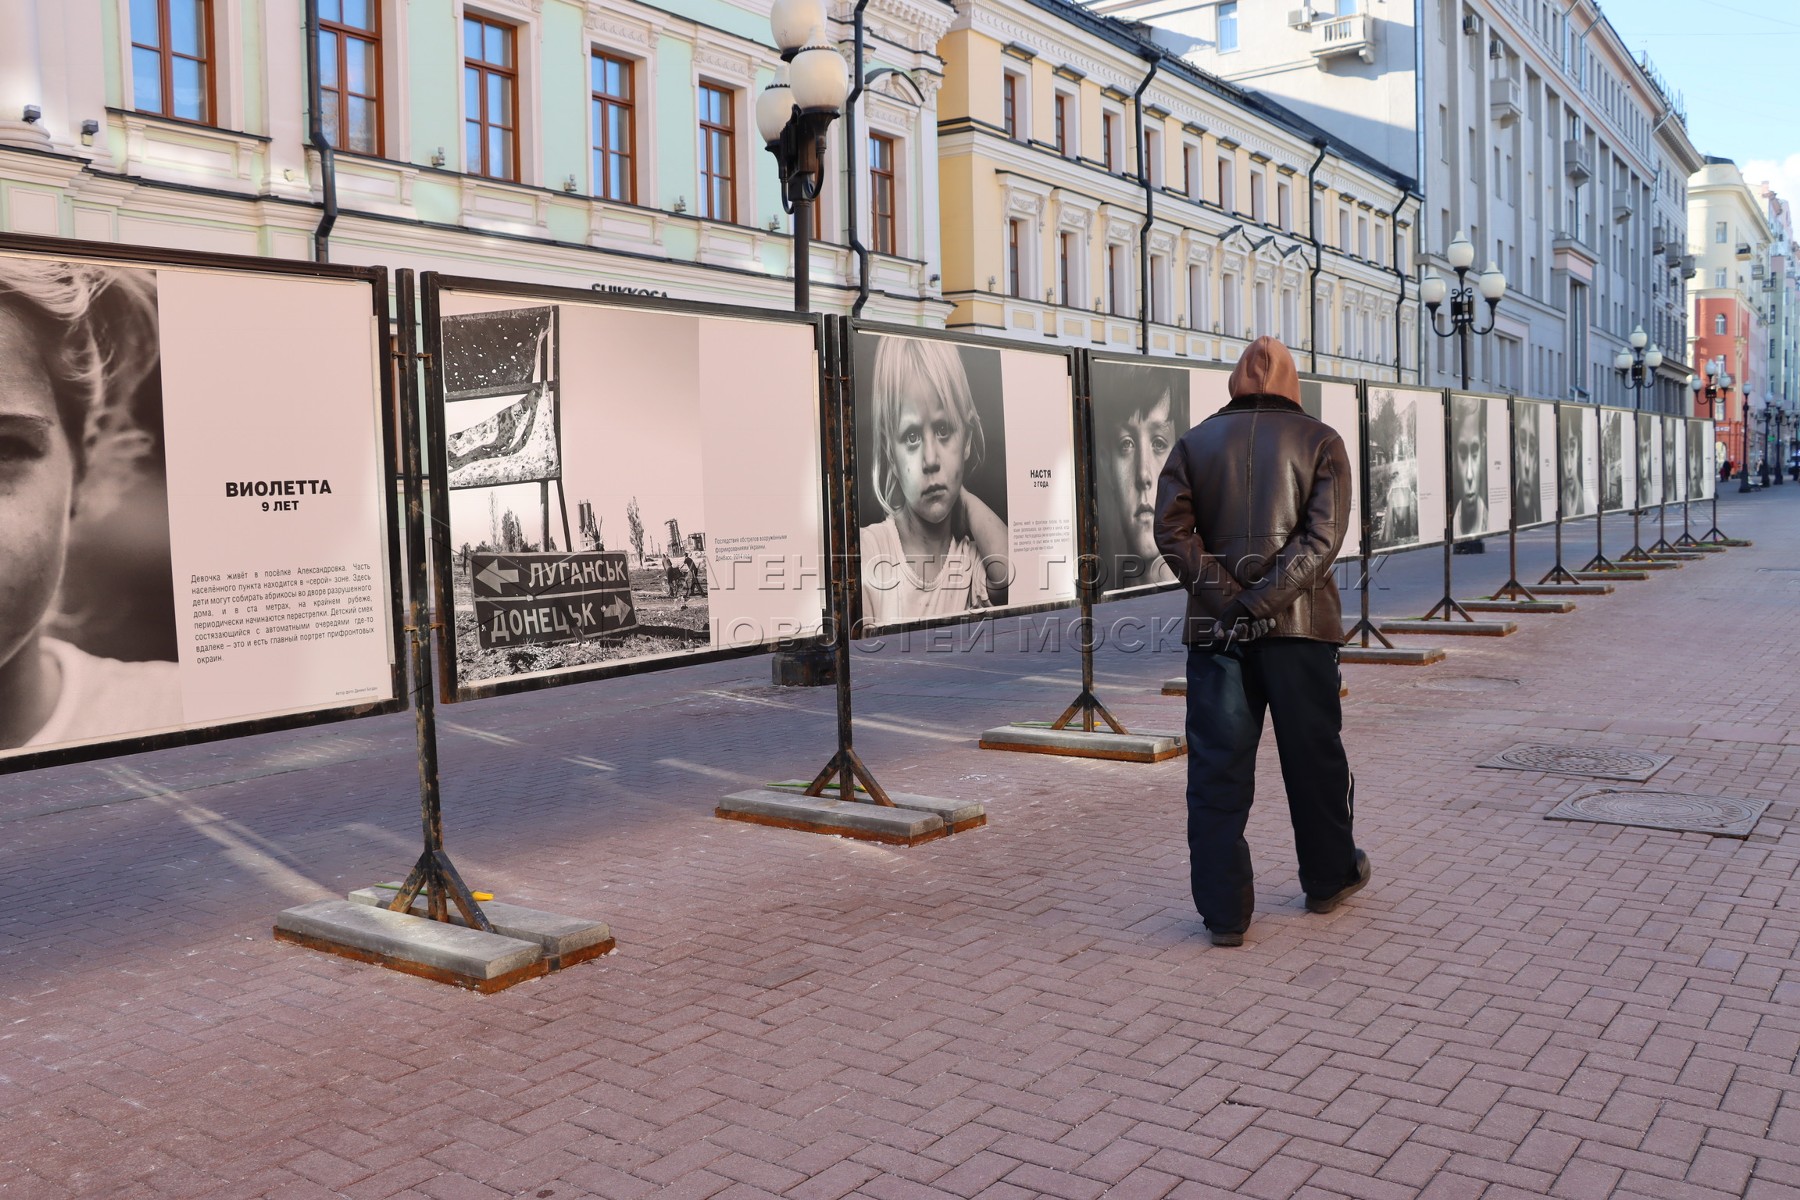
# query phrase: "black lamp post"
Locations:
[[1718, 382], [1744, 467], [793, 113], [1638, 366], [1432, 290]]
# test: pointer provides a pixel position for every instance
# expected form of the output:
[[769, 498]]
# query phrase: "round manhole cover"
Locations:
[[1469, 683], [1664, 810], [1601, 762]]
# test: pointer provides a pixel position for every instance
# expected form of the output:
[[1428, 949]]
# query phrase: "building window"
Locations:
[[1065, 267], [718, 153], [1009, 103], [1227, 184], [350, 73], [1063, 123], [1719, 325], [1152, 167], [1196, 297], [1719, 277], [1190, 172], [491, 98], [1344, 230], [171, 58], [1284, 205], [1115, 280], [1228, 27], [1015, 259], [881, 192], [1362, 238], [1721, 233], [615, 177], [1159, 289], [1109, 140], [1258, 207], [1228, 303]]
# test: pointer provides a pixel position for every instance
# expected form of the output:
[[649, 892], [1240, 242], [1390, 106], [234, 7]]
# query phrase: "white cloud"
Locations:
[[1783, 176]]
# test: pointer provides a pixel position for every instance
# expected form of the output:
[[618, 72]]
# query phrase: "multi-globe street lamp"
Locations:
[[1638, 365], [793, 114], [1432, 290]]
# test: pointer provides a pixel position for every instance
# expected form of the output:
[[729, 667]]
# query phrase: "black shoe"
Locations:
[[1220, 938], [1324, 904]]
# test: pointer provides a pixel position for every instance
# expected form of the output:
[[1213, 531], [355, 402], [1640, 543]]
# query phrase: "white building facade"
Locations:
[[1531, 130]]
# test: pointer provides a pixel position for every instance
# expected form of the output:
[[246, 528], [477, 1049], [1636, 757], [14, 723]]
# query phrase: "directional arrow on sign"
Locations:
[[494, 575], [617, 609]]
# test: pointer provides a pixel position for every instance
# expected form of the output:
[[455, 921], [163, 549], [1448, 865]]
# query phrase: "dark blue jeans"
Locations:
[[1295, 681]]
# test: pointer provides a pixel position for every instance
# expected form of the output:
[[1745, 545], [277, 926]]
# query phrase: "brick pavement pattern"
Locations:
[[1514, 1008]]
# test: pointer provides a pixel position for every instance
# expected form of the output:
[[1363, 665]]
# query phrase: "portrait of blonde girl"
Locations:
[[87, 641]]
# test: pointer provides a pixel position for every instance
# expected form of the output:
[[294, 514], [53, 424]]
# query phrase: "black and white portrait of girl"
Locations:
[[87, 626]]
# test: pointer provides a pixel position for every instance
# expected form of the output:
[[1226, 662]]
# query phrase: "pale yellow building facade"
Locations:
[[1258, 222]]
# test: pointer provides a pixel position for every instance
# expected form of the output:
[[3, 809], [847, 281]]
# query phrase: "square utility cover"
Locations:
[[1599, 762], [1721, 816]]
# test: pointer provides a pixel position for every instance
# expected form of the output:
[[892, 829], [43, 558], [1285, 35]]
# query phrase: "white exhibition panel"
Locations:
[[688, 476], [966, 495], [228, 558]]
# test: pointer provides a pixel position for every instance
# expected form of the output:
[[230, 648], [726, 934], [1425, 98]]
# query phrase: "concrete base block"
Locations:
[[1036, 738], [1453, 628], [470, 958], [1572, 589], [1721, 545], [1178, 687], [1666, 558], [1399, 656], [823, 814], [959, 816], [565, 940], [1619, 576], [1520, 606]]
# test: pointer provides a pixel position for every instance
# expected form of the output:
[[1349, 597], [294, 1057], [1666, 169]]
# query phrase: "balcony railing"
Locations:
[[1338, 36]]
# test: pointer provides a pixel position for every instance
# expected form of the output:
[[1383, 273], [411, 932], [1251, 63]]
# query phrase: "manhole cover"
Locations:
[[1721, 816], [1600, 762], [1469, 683]]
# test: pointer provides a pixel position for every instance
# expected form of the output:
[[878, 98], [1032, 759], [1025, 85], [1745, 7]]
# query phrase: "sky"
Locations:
[[1734, 63]]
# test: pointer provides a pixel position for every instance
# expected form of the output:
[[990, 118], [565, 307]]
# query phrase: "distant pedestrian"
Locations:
[[1251, 509], [1725, 471]]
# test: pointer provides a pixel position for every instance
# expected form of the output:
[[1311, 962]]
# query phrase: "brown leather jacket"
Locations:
[[1251, 508]]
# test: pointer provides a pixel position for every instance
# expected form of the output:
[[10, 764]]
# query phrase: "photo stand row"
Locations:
[[506, 419]]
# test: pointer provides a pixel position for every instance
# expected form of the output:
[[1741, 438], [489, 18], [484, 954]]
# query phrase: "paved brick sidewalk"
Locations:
[[1515, 1008]]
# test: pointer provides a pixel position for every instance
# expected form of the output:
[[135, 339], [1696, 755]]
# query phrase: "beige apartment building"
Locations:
[[1097, 192]]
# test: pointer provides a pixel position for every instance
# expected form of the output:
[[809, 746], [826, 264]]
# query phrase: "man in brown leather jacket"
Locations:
[[1251, 508]]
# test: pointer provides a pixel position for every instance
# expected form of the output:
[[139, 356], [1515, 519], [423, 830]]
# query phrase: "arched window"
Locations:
[[1719, 325]]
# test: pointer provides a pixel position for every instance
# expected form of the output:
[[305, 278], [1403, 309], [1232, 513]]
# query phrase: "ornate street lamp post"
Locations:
[[1718, 382], [1744, 467], [1638, 366], [793, 113], [1432, 290]]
